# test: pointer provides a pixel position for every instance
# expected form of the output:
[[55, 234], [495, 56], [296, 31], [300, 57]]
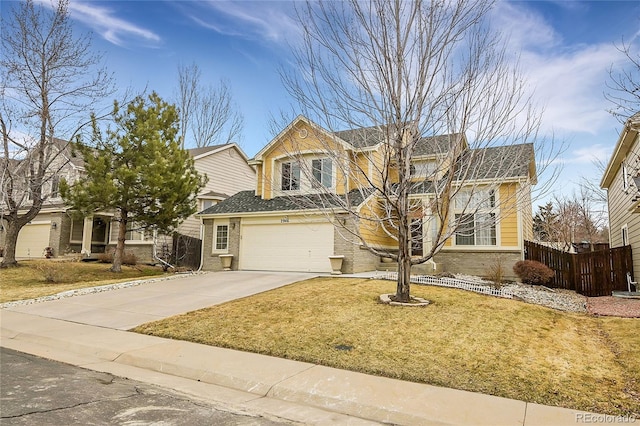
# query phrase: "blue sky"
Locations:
[[566, 47]]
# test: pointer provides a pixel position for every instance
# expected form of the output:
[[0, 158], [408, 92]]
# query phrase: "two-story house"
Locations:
[[57, 227], [621, 179], [286, 224]]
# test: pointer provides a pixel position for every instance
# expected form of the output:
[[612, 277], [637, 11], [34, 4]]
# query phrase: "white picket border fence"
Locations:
[[451, 283]]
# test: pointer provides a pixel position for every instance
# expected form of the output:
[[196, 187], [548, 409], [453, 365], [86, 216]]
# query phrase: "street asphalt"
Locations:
[[37, 391]]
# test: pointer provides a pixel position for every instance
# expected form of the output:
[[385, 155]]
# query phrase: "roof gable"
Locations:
[[301, 119], [198, 153], [623, 147]]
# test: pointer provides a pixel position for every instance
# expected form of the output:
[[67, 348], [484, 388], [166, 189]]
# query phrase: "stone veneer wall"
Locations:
[[211, 261], [356, 259], [477, 263], [59, 237]]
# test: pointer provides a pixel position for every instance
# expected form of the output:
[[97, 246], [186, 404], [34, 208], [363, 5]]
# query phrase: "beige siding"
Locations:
[[526, 211], [620, 204], [228, 173]]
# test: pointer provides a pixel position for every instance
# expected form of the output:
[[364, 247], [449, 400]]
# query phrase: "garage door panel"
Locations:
[[287, 247], [32, 240]]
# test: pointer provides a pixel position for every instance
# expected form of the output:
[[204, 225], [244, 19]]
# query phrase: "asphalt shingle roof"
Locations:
[[500, 162], [247, 201], [370, 136], [496, 162], [194, 152]]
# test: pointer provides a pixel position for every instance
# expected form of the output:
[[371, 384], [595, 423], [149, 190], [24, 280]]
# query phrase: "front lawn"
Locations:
[[36, 278], [462, 340]]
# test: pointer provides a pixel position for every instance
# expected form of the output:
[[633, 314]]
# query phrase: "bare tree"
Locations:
[[50, 82], [579, 218], [413, 79], [624, 84], [207, 113]]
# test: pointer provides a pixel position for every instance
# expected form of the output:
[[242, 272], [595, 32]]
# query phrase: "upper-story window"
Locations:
[[322, 171], [55, 186], [205, 204], [290, 176], [422, 169], [625, 176], [476, 218]]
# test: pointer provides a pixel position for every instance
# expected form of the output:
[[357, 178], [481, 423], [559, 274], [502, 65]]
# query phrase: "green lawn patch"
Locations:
[[461, 340]]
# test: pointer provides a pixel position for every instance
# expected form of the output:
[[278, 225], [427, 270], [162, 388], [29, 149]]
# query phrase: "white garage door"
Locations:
[[286, 247], [32, 240]]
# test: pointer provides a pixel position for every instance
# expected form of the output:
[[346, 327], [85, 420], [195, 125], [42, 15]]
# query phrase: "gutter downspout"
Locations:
[[202, 245]]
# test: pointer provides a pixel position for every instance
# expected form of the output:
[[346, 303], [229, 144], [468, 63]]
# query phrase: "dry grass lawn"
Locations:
[[36, 278], [462, 340]]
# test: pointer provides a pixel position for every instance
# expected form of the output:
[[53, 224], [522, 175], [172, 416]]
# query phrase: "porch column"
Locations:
[[87, 235]]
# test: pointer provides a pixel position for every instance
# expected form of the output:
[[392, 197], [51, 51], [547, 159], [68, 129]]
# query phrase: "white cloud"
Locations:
[[589, 154], [103, 21], [567, 80], [270, 21]]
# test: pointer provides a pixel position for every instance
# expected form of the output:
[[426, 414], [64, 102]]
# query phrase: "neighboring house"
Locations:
[[56, 226], [228, 172], [53, 226], [622, 181], [274, 227]]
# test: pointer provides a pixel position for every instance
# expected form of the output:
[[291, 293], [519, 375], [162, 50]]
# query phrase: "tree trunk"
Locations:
[[404, 266], [11, 238], [119, 253]]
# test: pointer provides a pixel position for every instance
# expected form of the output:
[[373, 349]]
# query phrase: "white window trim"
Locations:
[[625, 176], [495, 210], [323, 172], [306, 184], [300, 176], [216, 225], [423, 169], [142, 240], [624, 234], [202, 202]]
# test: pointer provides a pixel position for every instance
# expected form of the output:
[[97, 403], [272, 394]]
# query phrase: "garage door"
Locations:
[[32, 240], [286, 247]]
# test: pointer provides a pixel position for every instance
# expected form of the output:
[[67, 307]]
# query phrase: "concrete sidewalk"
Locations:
[[298, 391]]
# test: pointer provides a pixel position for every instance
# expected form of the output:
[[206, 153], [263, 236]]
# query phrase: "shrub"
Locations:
[[52, 272], [106, 257], [127, 259], [532, 272], [495, 272]]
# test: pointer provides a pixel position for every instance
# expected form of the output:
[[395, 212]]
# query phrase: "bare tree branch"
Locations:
[[428, 96], [624, 84], [51, 81], [207, 113]]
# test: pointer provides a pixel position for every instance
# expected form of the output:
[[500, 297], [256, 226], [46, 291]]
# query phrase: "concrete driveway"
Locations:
[[129, 307]]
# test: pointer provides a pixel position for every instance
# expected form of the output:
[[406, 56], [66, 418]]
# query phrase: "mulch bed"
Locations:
[[614, 306]]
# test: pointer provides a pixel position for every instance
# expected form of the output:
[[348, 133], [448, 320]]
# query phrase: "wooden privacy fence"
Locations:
[[186, 251], [596, 273]]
